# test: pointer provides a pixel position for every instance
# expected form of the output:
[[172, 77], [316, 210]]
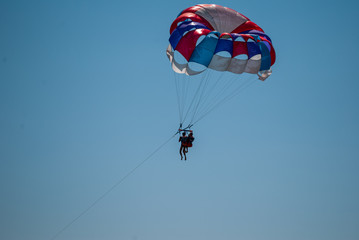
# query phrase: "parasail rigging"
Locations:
[[215, 53]]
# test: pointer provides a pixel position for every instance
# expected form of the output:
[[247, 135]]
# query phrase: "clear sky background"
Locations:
[[87, 93]]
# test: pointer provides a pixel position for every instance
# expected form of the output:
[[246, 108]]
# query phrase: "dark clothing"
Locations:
[[186, 141], [183, 140], [189, 141]]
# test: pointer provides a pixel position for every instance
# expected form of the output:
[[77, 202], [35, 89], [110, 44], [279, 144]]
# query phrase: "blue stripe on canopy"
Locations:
[[253, 49], [266, 59], [224, 45], [177, 34], [203, 53]]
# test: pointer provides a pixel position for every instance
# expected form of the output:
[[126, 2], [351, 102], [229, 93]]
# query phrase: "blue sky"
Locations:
[[87, 93]]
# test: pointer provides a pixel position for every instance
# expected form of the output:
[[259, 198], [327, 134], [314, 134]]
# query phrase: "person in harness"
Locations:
[[186, 142], [183, 140], [189, 141]]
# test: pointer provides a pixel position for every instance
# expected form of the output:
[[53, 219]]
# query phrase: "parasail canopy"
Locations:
[[211, 36]]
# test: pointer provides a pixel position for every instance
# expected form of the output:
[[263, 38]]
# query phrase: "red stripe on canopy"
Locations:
[[191, 16], [187, 44], [249, 25]]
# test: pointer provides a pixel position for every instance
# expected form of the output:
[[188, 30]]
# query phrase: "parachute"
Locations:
[[206, 41]]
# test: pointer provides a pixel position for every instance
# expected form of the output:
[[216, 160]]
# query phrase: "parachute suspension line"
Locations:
[[222, 93], [178, 97], [198, 96], [112, 188], [210, 90], [244, 84], [182, 88], [187, 82], [182, 84], [195, 110], [218, 94], [234, 93], [214, 85], [195, 95]]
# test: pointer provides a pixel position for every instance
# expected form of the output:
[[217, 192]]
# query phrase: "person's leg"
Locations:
[[184, 152], [181, 152]]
